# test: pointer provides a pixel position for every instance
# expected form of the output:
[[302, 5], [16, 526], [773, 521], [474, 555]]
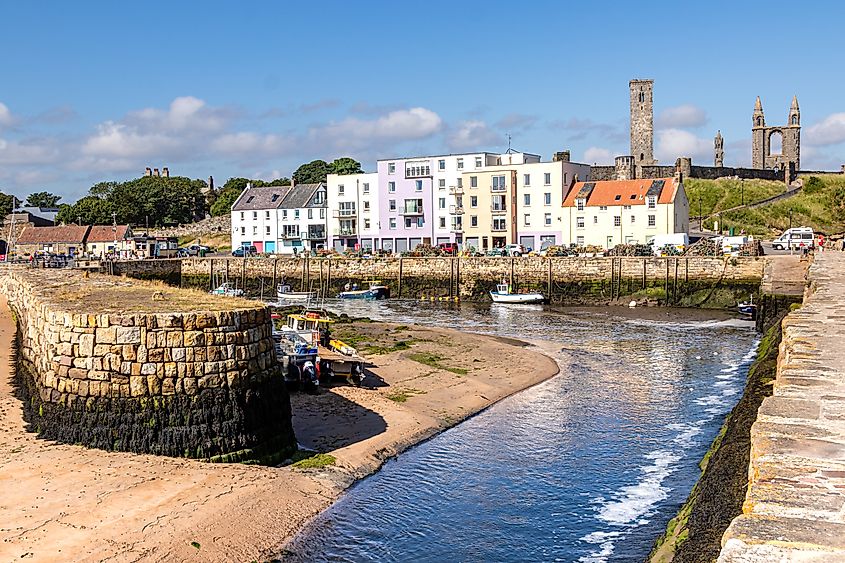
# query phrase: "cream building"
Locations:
[[353, 201], [608, 213], [517, 201]]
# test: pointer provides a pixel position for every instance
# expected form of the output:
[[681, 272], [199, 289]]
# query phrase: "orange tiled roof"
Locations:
[[106, 233], [622, 192]]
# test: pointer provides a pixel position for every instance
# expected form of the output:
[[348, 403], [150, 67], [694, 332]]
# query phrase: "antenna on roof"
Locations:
[[510, 150]]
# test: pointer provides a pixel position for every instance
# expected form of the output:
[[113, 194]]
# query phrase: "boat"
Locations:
[[503, 295], [228, 290], [748, 309], [375, 291], [284, 293]]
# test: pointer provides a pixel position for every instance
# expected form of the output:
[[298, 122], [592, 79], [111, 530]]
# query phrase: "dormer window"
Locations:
[[274, 198], [250, 198]]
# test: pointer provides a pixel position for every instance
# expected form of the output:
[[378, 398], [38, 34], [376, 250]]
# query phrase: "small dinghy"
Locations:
[[748, 309], [227, 290], [284, 293], [375, 291], [504, 295]]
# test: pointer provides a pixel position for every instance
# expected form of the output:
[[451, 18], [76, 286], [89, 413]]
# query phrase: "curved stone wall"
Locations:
[[125, 365]]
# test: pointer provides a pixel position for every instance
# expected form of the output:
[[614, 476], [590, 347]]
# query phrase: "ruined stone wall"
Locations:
[[714, 173], [563, 280], [200, 384]]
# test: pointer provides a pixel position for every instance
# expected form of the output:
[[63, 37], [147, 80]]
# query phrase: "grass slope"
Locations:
[[815, 206]]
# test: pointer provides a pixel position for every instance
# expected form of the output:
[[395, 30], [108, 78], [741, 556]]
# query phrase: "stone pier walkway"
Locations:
[[795, 506]]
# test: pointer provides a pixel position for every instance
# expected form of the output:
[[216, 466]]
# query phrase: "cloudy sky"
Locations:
[[98, 90]]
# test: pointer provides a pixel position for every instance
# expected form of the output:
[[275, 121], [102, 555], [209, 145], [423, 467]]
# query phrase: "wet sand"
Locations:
[[70, 503]]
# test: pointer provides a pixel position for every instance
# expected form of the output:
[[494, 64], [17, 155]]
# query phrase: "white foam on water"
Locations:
[[709, 400], [605, 542], [686, 433]]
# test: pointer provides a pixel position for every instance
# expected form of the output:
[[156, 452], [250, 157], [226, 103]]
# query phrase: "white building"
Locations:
[[614, 212], [280, 219], [353, 211]]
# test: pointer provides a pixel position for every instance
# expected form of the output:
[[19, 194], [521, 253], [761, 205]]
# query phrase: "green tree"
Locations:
[[42, 199], [344, 166], [7, 203], [813, 185], [224, 202], [837, 202], [90, 210], [312, 172]]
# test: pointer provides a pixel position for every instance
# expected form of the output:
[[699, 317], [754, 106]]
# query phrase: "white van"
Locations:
[[794, 238], [678, 240]]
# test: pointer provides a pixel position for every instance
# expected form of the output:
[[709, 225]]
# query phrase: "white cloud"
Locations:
[[686, 115], [252, 143], [28, 152], [672, 143], [473, 135], [598, 155], [6, 118], [185, 114], [370, 134], [123, 141], [829, 131]]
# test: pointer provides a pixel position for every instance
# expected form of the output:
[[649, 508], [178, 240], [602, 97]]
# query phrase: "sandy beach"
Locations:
[[69, 503]]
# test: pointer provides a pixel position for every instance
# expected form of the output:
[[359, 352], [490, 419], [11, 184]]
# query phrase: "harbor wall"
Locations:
[[201, 384], [688, 281]]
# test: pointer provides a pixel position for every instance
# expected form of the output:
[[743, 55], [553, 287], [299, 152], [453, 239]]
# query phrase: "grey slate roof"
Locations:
[[301, 195], [278, 197]]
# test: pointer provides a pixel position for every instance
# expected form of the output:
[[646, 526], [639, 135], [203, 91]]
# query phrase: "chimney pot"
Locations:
[[165, 172], [156, 173], [148, 171]]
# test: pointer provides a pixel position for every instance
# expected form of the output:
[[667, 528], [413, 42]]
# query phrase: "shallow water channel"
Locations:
[[588, 466]]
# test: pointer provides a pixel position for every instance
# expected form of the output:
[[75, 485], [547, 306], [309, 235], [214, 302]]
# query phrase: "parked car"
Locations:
[[515, 250], [196, 249], [182, 253], [449, 248], [245, 250], [497, 252]]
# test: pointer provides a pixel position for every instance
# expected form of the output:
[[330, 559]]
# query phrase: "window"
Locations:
[[499, 224], [243, 230], [617, 198], [617, 220], [526, 179], [391, 187], [392, 205], [267, 230], [527, 220], [418, 185], [310, 213], [322, 213], [441, 183], [266, 214], [413, 206], [242, 215], [473, 201], [547, 219], [460, 163], [254, 230], [255, 214], [250, 198], [498, 203], [478, 163], [366, 187], [595, 219], [340, 189], [579, 203], [443, 222], [473, 181], [393, 222], [473, 220], [652, 202], [579, 222], [460, 182], [626, 207], [441, 165], [547, 198], [633, 219], [296, 213], [651, 221], [366, 206], [274, 198], [284, 214], [420, 222], [408, 222], [547, 178], [498, 183], [441, 203], [579, 241], [320, 197], [526, 199], [391, 168], [602, 208]]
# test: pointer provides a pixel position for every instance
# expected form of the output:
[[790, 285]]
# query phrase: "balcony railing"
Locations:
[[456, 190], [456, 228], [498, 188], [411, 211], [315, 235], [498, 208], [498, 227], [344, 213], [345, 232], [456, 209]]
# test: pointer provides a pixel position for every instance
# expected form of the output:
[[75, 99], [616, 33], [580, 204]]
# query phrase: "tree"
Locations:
[[345, 165], [42, 199], [224, 202], [90, 210], [313, 172], [7, 203]]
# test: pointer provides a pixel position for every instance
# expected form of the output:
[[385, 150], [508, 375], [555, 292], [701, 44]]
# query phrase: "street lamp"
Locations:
[[700, 216], [789, 240]]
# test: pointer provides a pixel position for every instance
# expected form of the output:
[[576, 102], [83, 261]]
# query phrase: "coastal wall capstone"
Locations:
[[122, 365]]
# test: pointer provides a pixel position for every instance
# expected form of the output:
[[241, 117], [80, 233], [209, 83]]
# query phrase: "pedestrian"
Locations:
[[821, 243]]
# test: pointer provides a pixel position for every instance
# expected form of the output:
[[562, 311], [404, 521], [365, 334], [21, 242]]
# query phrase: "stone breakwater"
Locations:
[[794, 509], [124, 365], [687, 281]]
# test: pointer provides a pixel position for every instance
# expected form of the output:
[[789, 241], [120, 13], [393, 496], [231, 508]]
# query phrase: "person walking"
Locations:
[[821, 242]]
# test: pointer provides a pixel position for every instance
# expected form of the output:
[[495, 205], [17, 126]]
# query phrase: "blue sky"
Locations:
[[95, 91]]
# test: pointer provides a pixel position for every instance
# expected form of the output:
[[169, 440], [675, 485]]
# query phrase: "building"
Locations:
[[353, 211], [518, 201], [109, 239], [281, 219], [642, 121], [607, 213], [776, 147], [65, 239], [38, 216]]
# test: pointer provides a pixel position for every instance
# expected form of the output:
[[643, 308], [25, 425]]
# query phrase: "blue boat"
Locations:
[[375, 291], [748, 309]]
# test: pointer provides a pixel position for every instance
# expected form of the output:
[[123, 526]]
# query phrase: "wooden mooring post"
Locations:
[[399, 289], [210, 274]]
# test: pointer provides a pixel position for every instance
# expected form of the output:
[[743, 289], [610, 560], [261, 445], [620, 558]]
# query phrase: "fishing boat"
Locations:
[[228, 290], [284, 293], [375, 291], [503, 295], [748, 309]]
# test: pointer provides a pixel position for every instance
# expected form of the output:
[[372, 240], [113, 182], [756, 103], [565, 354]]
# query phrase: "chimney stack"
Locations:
[[148, 171], [165, 172], [211, 183], [156, 173], [292, 181]]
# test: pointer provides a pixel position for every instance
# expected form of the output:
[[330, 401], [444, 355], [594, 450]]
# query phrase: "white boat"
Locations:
[[227, 290], [283, 292], [504, 295]]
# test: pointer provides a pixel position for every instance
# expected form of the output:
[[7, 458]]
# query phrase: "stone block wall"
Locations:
[[201, 384]]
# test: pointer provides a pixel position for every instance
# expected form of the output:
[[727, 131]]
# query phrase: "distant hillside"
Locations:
[[820, 204]]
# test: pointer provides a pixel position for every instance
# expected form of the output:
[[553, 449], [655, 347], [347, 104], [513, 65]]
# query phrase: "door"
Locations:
[[609, 243], [259, 246], [401, 245], [527, 242], [414, 243], [270, 246]]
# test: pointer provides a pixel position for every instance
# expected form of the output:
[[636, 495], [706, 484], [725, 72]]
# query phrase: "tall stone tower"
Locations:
[[642, 122], [777, 146], [719, 147]]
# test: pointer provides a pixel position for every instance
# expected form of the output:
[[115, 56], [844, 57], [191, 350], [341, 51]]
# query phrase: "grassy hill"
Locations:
[[821, 204]]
